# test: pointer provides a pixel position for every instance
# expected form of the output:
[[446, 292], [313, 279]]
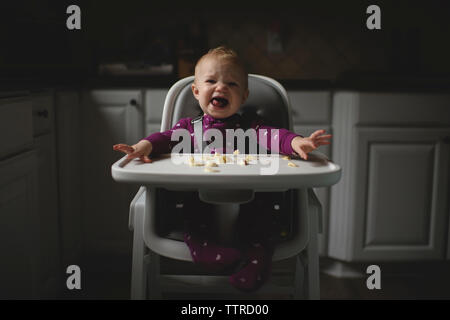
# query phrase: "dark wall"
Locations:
[[320, 39]]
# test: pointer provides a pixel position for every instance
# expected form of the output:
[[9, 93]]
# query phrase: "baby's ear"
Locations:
[[194, 90], [246, 93]]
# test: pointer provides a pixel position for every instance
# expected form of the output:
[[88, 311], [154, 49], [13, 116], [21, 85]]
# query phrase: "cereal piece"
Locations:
[[236, 152], [249, 158], [291, 164], [211, 163], [191, 161], [286, 158], [222, 159], [242, 162], [209, 169]]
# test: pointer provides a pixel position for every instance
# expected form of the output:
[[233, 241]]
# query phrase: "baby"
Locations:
[[221, 87]]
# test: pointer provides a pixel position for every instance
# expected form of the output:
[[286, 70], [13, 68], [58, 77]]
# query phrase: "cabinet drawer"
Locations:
[[16, 126], [310, 107], [42, 113], [394, 109], [114, 97]]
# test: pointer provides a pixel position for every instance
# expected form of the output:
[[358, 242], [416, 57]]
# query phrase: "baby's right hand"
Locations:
[[140, 150]]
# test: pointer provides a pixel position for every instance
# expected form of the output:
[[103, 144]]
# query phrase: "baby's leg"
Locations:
[[254, 228], [200, 239], [209, 253], [257, 269]]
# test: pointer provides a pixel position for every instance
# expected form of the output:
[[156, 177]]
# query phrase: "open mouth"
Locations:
[[219, 102]]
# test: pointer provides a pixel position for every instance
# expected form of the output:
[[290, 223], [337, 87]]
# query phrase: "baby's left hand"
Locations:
[[303, 146]]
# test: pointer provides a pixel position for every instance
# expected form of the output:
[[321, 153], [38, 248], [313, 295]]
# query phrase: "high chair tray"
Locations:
[[262, 172]]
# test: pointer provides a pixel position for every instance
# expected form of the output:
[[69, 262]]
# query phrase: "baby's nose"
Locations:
[[221, 86]]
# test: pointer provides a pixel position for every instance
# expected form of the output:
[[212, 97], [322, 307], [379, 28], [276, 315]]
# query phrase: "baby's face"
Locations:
[[219, 87]]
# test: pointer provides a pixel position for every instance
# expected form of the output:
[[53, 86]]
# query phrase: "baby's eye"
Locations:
[[211, 81], [232, 84]]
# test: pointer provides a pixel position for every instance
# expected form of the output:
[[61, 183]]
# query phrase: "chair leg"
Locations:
[[153, 288], [299, 281], [312, 251], [139, 267]]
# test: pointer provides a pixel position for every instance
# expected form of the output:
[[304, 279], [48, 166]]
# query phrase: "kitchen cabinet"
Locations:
[[19, 221], [29, 199], [392, 201], [107, 117], [19, 227], [311, 111]]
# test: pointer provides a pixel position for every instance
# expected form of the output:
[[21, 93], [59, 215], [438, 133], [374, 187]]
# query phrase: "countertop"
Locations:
[[356, 82]]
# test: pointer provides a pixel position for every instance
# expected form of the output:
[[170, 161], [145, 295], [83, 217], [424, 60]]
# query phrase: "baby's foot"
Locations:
[[255, 273], [209, 254]]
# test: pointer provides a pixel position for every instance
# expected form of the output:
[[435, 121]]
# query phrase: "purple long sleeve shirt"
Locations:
[[162, 143]]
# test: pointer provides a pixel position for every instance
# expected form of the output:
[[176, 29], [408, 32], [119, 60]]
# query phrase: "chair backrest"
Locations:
[[267, 99]]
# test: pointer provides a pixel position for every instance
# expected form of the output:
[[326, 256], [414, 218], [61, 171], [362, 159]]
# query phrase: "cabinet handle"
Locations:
[[133, 102], [42, 113]]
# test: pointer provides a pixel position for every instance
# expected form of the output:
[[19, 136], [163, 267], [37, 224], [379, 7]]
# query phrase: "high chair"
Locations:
[[267, 99]]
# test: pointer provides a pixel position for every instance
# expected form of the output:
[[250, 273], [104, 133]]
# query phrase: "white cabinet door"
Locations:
[[108, 117], [400, 197], [19, 227]]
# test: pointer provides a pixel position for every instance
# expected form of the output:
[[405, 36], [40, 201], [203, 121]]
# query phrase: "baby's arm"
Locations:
[[157, 143], [140, 150], [305, 145]]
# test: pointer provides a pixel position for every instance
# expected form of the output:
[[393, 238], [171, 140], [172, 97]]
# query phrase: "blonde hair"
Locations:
[[225, 53]]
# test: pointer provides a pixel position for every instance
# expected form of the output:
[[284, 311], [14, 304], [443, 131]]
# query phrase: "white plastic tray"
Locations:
[[261, 173]]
